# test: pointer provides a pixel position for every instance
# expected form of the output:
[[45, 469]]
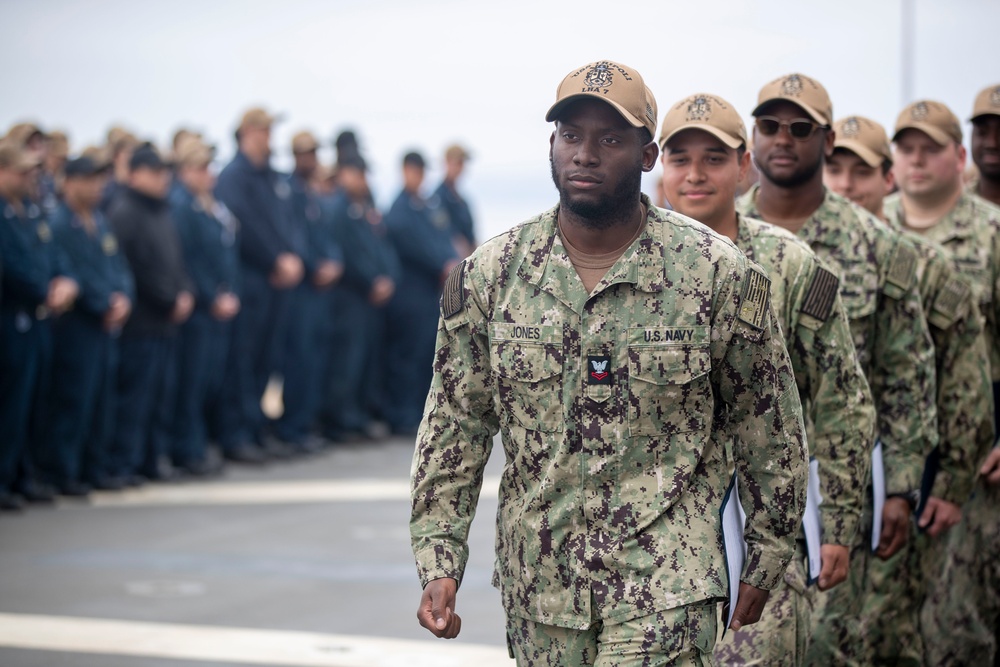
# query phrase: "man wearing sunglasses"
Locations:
[[620, 350], [878, 286], [704, 145], [929, 162]]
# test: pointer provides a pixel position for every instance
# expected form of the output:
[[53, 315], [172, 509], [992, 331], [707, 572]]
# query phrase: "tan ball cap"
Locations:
[[801, 90], [193, 152], [304, 142], [456, 152], [13, 156], [863, 137], [258, 117], [618, 85], [706, 112], [987, 102], [932, 118]]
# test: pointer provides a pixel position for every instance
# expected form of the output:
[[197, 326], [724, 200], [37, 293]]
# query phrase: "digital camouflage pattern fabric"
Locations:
[[840, 420], [897, 586], [615, 410], [970, 233], [879, 290]]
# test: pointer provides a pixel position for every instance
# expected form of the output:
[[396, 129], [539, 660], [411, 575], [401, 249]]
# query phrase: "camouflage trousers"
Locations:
[[683, 637], [836, 637], [961, 616], [781, 636], [890, 616]]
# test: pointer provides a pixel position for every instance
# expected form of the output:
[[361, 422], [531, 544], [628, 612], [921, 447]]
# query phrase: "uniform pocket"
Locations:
[[669, 389], [530, 383]]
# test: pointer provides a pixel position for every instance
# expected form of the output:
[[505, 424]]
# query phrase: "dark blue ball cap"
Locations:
[[146, 156], [414, 159], [81, 167]]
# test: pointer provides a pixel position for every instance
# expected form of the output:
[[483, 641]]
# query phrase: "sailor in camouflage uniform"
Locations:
[[703, 141], [878, 285], [621, 351], [961, 616], [860, 169]]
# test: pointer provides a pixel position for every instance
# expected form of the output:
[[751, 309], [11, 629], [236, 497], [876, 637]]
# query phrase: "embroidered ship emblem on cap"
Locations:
[[852, 127], [995, 97], [599, 76], [792, 85], [699, 109], [920, 111]]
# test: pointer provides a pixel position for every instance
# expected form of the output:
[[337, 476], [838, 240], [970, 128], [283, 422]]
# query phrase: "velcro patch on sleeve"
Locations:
[[755, 299], [950, 299], [903, 267], [453, 296], [821, 295]]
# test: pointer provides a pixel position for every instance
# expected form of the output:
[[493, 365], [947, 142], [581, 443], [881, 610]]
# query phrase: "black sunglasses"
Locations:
[[798, 128]]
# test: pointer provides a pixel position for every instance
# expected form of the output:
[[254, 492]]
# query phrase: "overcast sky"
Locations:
[[420, 75]]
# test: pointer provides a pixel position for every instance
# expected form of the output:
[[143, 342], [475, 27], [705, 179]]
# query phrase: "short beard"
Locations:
[[800, 177], [610, 210]]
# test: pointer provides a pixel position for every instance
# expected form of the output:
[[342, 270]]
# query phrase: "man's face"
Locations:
[[256, 140], [849, 176], [150, 182], [198, 178], [700, 174], [986, 145], [14, 182], [306, 163], [413, 177], [783, 160], [453, 168], [925, 168], [353, 181], [597, 161]]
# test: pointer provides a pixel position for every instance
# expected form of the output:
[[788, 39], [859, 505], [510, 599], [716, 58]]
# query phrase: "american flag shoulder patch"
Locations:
[[453, 296], [821, 295], [755, 299]]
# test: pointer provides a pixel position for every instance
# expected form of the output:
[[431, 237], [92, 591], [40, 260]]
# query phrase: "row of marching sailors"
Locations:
[[136, 332]]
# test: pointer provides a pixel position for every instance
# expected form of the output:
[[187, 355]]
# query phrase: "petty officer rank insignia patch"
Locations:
[[756, 296], [597, 369], [821, 295], [453, 296]]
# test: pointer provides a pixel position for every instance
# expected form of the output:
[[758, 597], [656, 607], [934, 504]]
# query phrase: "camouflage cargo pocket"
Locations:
[[669, 389], [530, 383]]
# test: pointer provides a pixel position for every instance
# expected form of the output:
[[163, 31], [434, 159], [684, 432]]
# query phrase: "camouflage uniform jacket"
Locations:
[[836, 401], [971, 235], [878, 287], [965, 392], [615, 411]]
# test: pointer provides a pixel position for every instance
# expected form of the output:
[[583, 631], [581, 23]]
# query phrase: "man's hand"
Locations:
[[835, 561], [382, 290], [287, 272], [895, 527], [939, 515], [437, 608], [225, 306], [61, 295], [991, 467], [183, 306], [327, 273], [119, 308], [749, 606]]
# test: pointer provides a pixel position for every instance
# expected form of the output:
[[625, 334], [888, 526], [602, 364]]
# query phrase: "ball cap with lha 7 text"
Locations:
[[987, 102], [708, 113], [618, 85], [863, 137], [933, 119], [801, 90]]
